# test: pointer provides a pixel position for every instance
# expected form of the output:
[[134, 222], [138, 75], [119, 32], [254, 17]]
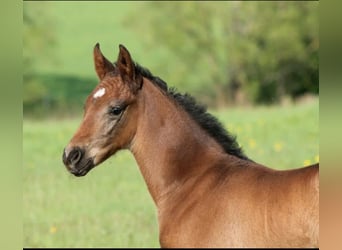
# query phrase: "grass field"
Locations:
[[111, 206]]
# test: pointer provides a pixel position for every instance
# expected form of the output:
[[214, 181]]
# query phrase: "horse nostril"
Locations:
[[74, 156]]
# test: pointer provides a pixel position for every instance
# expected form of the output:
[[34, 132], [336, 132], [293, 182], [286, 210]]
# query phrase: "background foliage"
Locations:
[[221, 52], [264, 50]]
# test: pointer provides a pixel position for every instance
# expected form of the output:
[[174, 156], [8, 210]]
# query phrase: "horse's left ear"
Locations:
[[126, 68]]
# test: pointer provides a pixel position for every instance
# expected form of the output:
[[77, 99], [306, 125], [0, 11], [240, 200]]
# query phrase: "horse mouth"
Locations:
[[82, 169]]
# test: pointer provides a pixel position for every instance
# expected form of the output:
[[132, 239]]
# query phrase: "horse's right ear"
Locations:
[[126, 69], [102, 64]]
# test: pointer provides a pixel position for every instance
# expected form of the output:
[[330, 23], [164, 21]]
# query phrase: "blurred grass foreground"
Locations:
[[255, 64]]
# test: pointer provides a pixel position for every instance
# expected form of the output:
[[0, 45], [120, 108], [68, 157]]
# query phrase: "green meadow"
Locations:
[[111, 206]]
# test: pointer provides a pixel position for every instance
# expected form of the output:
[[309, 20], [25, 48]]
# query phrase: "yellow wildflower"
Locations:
[[53, 229], [317, 158], [252, 143], [278, 146], [307, 162]]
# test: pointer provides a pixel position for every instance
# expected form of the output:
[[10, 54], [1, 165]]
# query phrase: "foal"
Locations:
[[207, 192]]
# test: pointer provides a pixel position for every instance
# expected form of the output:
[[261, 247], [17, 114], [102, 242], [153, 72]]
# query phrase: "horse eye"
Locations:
[[116, 110]]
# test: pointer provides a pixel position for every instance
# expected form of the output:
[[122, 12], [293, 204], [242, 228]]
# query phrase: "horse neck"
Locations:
[[169, 146]]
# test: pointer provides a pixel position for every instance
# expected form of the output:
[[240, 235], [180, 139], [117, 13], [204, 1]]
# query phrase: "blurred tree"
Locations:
[[38, 44], [235, 51], [280, 47], [194, 35]]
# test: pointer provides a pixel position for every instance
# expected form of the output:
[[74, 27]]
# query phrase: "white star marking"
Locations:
[[99, 93]]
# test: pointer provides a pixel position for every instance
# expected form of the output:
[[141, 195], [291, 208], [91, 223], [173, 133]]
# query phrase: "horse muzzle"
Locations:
[[75, 161]]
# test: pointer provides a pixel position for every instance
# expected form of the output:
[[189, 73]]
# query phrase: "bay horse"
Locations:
[[207, 192]]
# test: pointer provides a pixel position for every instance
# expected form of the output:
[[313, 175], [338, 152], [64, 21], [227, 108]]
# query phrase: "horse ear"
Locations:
[[126, 68], [125, 64], [102, 64]]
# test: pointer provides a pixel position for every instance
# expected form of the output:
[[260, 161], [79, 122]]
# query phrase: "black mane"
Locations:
[[199, 114]]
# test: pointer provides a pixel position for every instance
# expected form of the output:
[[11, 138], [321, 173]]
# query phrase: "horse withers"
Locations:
[[207, 191]]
